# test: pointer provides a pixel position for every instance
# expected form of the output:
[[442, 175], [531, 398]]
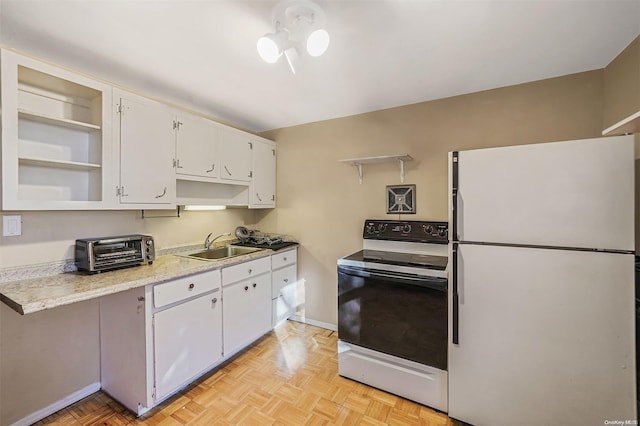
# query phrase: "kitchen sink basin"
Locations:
[[222, 252]]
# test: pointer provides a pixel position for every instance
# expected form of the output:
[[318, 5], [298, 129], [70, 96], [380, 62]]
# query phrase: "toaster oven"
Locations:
[[103, 254]]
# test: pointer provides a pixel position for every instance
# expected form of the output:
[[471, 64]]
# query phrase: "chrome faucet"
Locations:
[[208, 242]]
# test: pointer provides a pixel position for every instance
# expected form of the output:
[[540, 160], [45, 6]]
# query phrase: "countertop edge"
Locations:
[[192, 266]]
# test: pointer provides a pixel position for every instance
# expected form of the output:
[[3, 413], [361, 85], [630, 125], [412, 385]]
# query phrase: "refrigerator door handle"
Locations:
[[454, 195], [455, 324]]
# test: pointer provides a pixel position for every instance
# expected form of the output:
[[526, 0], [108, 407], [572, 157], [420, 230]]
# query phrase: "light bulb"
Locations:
[[317, 42], [268, 48]]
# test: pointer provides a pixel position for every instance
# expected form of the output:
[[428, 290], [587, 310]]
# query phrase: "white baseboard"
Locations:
[[309, 321], [58, 405]]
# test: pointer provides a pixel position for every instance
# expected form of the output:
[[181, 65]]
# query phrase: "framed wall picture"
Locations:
[[401, 199]]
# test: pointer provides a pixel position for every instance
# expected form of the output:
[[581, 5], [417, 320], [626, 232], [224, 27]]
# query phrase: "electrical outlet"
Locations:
[[11, 226]]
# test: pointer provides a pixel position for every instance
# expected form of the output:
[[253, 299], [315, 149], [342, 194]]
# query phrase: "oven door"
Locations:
[[399, 314]]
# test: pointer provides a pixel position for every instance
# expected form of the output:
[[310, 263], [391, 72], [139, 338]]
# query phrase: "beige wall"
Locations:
[[46, 356], [622, 85], [321, 203], [50, 236]]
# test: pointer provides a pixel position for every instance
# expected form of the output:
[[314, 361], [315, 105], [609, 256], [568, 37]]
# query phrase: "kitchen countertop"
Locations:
[[37, 294]]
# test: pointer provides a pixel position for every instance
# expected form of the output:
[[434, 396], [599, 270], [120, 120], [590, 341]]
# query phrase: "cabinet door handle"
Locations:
[[284, 259], [258, 197], [178, 166], [286, 280], [120, 191], [214, 300], [255, 285], [250, 270], [163, 193], [273, 197], [213, 166], [246, 287], [227, 170], [191, 286]]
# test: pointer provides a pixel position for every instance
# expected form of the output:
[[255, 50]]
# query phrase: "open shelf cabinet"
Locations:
[[55, 139]]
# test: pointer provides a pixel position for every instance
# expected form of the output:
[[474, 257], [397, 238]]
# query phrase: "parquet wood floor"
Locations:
[[289, 377]]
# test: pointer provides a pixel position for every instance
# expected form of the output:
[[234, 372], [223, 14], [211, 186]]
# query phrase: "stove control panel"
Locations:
[[407, 230]]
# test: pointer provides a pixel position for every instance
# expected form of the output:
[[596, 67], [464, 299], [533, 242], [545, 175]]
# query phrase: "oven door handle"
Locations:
[[434, 283]]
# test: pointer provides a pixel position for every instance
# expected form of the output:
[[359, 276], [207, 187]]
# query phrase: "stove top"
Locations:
[[401, 259], [415, 247]]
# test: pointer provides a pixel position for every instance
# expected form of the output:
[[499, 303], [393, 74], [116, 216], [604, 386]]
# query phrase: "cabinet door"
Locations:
[[146, 151], [263, 182], [247, 312], [235, 151], [197, 147], [188, 340]]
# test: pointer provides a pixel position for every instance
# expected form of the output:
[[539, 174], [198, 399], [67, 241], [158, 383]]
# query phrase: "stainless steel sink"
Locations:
[[221, 252]]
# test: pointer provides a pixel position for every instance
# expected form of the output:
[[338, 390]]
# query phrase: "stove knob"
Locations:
[[369, 229], [442, 232], [428, 229], [382, 227], [406, 228]]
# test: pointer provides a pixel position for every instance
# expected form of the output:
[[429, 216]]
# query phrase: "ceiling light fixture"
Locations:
[[299, 27]]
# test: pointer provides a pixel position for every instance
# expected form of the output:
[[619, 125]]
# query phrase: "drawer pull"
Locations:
[[254, 285], [250, 270], [286, 280], [191, 286], [214, 300], [246, 287], [285, 259]]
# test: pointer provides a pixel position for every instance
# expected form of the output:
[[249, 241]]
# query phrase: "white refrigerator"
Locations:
[[541, 290]]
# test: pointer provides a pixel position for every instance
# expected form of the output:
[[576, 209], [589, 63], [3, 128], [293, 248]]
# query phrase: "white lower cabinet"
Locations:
[[284, 288], [187, 341], [247, 303], [148, 353], [157, 339]]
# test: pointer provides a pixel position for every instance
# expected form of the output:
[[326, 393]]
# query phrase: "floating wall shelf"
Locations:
[[359, 162], [630, 124]]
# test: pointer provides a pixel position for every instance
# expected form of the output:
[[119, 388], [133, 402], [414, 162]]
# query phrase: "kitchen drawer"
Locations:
[[245, 270], [282, 278], [285, 258], [185, 288]]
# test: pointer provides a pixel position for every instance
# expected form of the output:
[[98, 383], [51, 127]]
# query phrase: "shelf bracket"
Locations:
[[359, 166]]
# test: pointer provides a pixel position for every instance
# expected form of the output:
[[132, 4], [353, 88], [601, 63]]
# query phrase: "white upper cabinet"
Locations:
[[56, 137], [263, 184], [197, 152], [235, 153], [145, 137], [73, 143]]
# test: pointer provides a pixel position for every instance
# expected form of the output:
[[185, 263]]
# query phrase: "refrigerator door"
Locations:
[[545, 337], [564, 194]]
